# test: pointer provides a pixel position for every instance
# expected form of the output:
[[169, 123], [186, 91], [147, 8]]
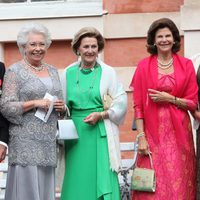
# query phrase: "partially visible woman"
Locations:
[[3, 122], [93, 160], [32, 142], [165, 89], [196, 61]]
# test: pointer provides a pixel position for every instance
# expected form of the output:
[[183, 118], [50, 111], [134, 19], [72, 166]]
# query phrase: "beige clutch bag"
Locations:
[[144, 179], [107, 101]]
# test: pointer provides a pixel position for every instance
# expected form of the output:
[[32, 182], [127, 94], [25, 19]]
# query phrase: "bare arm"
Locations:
[[143, 144]]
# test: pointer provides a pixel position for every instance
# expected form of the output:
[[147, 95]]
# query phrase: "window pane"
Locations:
[[43, 0], [18, 1], [12, 1]]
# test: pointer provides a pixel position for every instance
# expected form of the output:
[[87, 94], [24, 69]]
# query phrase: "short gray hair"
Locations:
[[22, 37]]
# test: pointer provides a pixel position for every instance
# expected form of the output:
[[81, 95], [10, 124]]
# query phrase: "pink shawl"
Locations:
[[146, 76]]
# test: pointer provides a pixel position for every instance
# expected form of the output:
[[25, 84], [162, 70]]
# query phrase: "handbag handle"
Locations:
[[150, 158], [67, 111]]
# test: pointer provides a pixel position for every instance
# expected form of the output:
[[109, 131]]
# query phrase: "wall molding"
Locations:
[[60, 28], [134, 24]]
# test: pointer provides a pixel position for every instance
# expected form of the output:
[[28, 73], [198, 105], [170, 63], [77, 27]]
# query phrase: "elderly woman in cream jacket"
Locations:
[[95, 156]]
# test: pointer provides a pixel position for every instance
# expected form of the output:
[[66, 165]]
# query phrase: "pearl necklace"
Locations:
[[37, 69], [165, 65]]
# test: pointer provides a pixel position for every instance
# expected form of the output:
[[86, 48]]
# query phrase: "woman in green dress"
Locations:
[[92, 161]]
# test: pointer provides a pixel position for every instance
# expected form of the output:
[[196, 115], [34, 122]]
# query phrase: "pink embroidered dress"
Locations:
[[167, 129]]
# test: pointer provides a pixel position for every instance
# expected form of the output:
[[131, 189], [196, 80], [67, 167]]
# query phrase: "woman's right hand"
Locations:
[[39, 103], [42, 103], [143, 147]]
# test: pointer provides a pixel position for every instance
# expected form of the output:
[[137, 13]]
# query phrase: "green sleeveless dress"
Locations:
[[87, 170]]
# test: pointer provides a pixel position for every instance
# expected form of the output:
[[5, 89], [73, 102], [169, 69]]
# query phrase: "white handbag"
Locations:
[[66, 128]]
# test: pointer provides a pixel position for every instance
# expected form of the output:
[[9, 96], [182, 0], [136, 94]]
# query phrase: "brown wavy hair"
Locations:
[[159, 24]]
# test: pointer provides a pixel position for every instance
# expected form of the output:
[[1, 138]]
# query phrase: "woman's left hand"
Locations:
[[158, 96], [93, 118], [59, 106]]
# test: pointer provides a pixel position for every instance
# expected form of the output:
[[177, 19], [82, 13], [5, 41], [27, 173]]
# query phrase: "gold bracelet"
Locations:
[[175, 100], [140, 135], [102, 115], [178, 102]]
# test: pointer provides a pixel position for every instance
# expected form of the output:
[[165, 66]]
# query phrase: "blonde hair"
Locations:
[[87, 32]]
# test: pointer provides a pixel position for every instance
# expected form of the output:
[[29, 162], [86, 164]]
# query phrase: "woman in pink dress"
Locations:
[[165, 89]]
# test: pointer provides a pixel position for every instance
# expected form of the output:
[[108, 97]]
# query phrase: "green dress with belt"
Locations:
[[87, 169]]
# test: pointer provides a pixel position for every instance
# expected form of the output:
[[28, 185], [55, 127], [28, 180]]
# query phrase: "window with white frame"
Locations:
[[23, 1], [40, 9], [29, 1]]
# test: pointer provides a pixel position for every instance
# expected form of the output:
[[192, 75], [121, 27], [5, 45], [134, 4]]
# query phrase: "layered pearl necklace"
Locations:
[[165, 65], [36, 69]]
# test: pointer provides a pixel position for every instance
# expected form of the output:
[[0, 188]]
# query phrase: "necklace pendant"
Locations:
[[86, 92]]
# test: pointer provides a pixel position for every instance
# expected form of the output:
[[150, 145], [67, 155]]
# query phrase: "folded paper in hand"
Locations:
[[41, 113]]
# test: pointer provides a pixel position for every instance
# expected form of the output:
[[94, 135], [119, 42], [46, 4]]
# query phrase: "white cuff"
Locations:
[[4, 144]]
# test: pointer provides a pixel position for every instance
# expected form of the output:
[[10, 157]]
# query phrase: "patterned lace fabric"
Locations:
[[32, 141], [175, 167]]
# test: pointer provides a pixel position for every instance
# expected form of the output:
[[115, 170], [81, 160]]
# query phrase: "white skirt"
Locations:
[[30, 183]]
